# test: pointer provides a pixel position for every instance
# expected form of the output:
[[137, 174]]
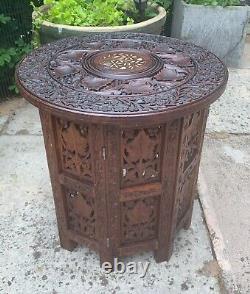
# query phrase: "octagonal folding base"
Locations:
[[123, 190]]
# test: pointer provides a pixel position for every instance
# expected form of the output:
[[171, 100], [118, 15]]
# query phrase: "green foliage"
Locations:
[[215, 2], [37, 2], [164, 3], [4, 19], [92, 12], [15, 32], [89, 12], [10, 56]]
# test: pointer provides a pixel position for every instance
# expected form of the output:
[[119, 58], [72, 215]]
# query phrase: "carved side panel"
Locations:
[[81, 213], [140, 155], [139, 220], [74, 145], [190, 152]]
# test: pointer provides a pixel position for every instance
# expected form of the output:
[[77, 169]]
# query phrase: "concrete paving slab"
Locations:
[[34, 262], [246, 54], [3, 121], [231, 112], [7, 109], [9, 106], [25, 121], [224, 192]]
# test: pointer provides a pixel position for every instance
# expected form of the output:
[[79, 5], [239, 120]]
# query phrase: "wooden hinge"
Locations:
[[104, 153]]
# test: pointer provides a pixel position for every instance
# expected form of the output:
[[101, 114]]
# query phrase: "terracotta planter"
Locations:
[[50, 31]]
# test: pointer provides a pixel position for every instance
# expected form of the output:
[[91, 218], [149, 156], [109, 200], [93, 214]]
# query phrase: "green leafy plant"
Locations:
[[15, 32], [9, 57], [92, 12], [164, 3], [4, 19], [89, 12], [215, 2]]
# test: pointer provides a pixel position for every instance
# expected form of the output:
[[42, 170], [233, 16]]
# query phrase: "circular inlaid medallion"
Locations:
[[122, 64], [121, 71]]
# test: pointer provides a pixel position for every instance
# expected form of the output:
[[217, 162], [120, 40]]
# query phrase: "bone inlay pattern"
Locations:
[[123, 61], [122, 64]]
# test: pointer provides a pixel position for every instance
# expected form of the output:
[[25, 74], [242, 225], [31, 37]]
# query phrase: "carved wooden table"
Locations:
[[123, 119]]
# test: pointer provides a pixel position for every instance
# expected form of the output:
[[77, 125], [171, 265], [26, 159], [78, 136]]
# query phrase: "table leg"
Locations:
[[205, 113], [168, 201], [50, 146]]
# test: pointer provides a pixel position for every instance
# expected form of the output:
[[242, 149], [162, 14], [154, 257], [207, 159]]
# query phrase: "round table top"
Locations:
[[106, 77]]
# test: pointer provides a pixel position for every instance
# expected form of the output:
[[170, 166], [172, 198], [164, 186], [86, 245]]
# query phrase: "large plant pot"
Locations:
[[221, 30], [51, 32]]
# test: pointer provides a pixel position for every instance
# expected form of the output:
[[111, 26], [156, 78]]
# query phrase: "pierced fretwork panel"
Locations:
[[139, 219], [140, 155], [190, 153], [74, 148], [81, 213]]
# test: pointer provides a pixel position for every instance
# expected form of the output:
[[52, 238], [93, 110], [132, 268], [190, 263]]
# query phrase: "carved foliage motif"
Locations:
[[174, 68], [74, 148], [81, 213], [140, 155], [189, 159], [139, 220], [189, 74]]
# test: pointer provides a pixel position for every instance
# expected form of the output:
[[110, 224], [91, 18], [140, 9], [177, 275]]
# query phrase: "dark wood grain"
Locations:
[[123, 124], [52, 155], [188, 77]]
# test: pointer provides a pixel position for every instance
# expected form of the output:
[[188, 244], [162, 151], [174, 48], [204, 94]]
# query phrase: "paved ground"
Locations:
[[231, 112], [30, 255], [224, 180], [224, 192]]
